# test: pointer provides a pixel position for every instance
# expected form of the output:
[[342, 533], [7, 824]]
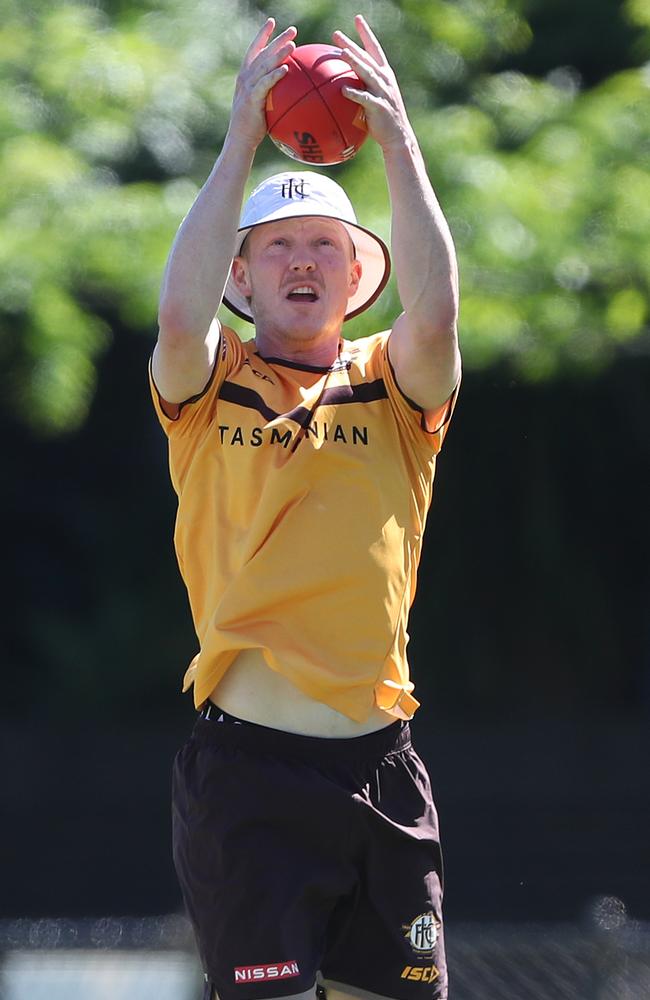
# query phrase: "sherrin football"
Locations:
[[307, 116]]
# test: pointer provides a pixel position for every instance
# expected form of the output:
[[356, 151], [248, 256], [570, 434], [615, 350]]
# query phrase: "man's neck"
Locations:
[[320, 353]]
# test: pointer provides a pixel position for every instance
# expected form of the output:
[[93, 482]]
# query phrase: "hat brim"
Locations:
[[371, 251]]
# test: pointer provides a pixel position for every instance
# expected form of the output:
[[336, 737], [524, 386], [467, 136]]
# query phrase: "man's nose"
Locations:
[[302, 260]]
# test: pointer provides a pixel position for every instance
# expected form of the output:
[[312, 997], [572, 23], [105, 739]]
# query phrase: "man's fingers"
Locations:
[[370, 40], [362, 97], [261, 43], [260, 40], [287, 35], [274, 53], [366, 71], [283, 44], [347, 43], [268, 61], [265, 83]]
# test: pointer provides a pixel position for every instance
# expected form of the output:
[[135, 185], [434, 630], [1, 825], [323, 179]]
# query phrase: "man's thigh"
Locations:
[[389, 941], [259, 865]]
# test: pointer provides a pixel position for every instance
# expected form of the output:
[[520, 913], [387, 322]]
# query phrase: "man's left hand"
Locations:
[[382, 101]]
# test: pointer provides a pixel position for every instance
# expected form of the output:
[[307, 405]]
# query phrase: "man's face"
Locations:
[[298, 275]]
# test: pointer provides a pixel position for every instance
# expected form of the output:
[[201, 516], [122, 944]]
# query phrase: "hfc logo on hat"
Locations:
[[294, 188]]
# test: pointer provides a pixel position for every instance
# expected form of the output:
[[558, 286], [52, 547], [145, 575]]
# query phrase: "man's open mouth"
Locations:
[[305, 293]]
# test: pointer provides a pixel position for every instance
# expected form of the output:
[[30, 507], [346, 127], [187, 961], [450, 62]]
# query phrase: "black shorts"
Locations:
[[305, 860]]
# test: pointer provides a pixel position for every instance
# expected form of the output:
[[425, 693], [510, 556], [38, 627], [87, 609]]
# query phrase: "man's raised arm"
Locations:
[[423, 345], [201, 255]]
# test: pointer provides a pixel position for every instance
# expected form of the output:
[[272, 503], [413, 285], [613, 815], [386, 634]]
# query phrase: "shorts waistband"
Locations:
[[369, 748]]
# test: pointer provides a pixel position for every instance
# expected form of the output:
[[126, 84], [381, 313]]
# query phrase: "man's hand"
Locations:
[[262, 67], [382, 102]]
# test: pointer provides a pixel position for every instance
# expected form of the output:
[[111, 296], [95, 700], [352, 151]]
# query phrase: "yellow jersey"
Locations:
[[302, 498]]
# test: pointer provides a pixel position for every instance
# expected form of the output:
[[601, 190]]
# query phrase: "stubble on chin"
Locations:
[[271, 327]]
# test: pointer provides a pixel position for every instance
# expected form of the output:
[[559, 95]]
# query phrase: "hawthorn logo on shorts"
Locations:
[[423, 934], [265, 973]]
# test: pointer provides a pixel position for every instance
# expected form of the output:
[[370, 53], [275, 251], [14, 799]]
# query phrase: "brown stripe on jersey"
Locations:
[[366, 392], [241, 396]]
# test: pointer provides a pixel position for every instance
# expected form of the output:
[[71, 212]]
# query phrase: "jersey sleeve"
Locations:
[[181, 420], [426, 429]]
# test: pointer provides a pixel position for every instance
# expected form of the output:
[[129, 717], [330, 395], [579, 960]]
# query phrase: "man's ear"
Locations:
[[241, 276], [355, 277]]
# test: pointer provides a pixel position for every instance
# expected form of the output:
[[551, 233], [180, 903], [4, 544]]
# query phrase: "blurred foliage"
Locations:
[[111, 114]]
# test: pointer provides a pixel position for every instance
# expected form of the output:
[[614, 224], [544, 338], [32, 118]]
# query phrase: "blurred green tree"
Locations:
[[111, 115]]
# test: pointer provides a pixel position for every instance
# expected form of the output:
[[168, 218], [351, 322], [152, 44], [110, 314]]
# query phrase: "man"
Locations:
[[305, 837]]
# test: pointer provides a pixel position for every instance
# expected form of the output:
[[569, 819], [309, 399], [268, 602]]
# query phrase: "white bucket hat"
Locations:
[[296, 195]]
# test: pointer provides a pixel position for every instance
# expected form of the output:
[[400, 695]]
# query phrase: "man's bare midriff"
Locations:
[[251, 690]]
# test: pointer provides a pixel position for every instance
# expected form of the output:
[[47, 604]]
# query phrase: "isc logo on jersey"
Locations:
[[428, 974], [263, 973]]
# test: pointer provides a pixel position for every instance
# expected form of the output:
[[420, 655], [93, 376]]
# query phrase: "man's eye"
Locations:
[[324, 241]]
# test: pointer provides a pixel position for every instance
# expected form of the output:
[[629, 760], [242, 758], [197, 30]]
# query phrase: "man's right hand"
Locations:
[[262, 67]]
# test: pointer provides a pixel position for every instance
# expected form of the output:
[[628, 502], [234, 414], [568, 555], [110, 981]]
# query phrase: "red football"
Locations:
[[307, 116]]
